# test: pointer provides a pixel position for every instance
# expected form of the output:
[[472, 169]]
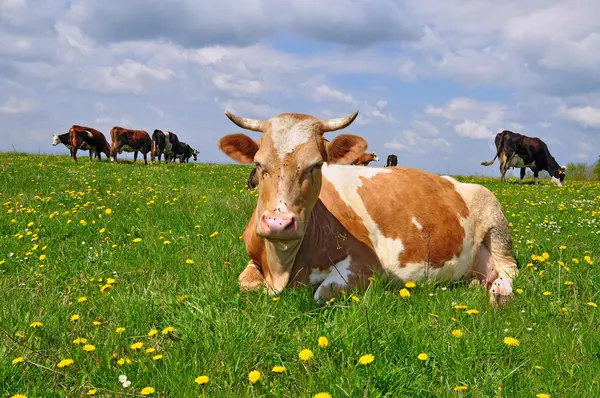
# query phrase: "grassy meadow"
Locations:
[[126, 269]]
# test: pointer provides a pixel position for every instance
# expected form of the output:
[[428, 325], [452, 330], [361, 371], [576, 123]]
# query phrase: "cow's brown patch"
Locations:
[[432, 200]]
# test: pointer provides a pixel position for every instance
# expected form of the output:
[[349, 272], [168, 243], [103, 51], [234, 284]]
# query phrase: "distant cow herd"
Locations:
[[163, 143]]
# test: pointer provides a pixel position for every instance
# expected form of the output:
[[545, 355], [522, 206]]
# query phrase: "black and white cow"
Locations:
[[184, 152], [392, 160], [164, 142], [515, 150], [64, 139]]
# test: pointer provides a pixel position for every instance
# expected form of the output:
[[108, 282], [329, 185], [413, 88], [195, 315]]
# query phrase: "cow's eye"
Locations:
[[314, 167]]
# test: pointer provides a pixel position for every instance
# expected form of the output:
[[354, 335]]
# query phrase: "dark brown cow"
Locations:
[[92, 138], [129, 141], [392, 161], [164, 142], [520, 151], [365, 159]]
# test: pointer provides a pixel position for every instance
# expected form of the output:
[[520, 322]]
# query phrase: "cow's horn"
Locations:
[[339, 123], [245, 123]]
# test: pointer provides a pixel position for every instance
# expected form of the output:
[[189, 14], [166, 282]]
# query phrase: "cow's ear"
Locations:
[[345, 149], [239, 147]]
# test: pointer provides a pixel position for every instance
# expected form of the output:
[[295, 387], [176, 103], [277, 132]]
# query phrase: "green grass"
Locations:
[[224, 333]]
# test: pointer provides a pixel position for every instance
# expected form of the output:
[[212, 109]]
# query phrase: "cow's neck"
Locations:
[[552, 164], [280, 256]]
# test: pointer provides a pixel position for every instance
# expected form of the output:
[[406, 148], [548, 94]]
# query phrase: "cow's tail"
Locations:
[[498, 150]]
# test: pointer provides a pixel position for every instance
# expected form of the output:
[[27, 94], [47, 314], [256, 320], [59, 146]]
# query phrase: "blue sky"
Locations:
[[433, 82]]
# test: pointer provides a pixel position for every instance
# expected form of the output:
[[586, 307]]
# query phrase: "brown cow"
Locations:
[[92, 138], [129, 141], [333, 225], [365, 159]]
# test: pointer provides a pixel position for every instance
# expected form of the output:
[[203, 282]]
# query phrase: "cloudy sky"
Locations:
[[433, 81]]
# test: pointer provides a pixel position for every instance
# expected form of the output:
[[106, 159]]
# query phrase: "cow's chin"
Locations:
[[280, 236], [557, 181]]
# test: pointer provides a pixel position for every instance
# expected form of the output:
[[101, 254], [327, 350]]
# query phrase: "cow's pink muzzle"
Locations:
[[277, 225]]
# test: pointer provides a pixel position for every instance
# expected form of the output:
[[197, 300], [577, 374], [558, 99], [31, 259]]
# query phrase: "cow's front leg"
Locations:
[[345, 275], [251, 278]]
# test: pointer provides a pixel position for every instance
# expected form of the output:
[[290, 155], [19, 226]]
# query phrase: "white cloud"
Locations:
[[13, 106], [325, 93], [586, 116]]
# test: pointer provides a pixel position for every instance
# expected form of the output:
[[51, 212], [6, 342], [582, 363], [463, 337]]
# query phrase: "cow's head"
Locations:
[[375, 157], [55, 140], [559, 176], [288, 157], [195, 153]]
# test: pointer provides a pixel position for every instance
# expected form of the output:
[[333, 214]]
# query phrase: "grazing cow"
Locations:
[[129, 141], [392, 160], [184, 152], [520, 151], [92, 138], [332, 225], [64, 139], [365, 159], [164, 142]]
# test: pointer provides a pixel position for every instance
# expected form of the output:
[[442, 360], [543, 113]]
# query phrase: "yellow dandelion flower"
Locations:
[[547, 293], [147, 391], [152, 332], [74, 317], [110, 281], [563, 247], [511, 342], [278, 369], [81, 299], [92, 392], [137, 240], [568, 283], [588, 260], [538, 367], [80, 340], [214, 234], [200, 380], [108, 211], [404, 293], [168, 329], [83, 223], [89, 347], [65, 362], [422, 356], [18, 360], [150, 350], [410, 284], [305, 355], [355, 299], [119, 330], [542, 395], [36, 324], [322, 395], [323, 342], [592, 304], [19, 396], [167, 242], [275, 298], [461, 388], [472, 312], [366, 359], [189, 261], [137, 345], [254, 376], [43, 257], [460, 307], [121, 361], [575, 260], [104, 288], [457, 333], [157, 357], [97, 323], [519, 291]]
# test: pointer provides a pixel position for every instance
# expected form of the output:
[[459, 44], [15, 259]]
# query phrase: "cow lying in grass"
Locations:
[[333, 225]]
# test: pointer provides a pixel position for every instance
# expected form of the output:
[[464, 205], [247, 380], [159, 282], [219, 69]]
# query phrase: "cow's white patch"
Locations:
[[287, 134], [339, 275], [417, 223], [126, 148], [517, 162], [317, 276], [556, 181], [55, 140], [376, 158]]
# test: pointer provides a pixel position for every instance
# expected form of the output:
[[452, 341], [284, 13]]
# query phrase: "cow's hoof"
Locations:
[[251, 278], [501, 291]]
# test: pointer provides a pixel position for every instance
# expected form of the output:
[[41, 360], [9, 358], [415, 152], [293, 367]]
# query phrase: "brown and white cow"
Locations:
[[91, 138], [129, 141], [66, 141], [164, 142], [365, 159], [333, 226]]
